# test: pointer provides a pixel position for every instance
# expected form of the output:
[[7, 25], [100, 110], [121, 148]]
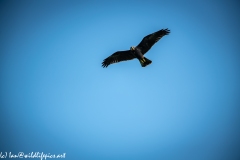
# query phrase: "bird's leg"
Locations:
[[142, 60]]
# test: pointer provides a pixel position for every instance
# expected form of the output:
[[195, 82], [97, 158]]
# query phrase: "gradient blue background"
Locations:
[[56, 98]]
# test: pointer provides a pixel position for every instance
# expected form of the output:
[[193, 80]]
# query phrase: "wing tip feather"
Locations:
[[105, 64], [167, 31]]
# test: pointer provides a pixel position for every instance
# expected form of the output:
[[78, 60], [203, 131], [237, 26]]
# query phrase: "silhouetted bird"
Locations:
[[137, 52]]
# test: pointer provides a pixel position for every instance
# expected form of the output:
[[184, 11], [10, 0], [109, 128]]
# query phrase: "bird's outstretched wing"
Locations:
[[148, 41], [118, 57]]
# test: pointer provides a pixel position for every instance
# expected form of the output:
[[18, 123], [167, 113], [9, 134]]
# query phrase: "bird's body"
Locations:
[[137, 52], [139, 55]]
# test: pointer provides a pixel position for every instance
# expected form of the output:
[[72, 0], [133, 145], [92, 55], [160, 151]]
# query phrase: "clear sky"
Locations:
[[56, 98]]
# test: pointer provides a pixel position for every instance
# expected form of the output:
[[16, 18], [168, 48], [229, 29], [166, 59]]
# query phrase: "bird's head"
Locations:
[[132, 48]]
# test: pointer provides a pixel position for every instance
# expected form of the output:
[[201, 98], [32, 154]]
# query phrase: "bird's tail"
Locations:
[[144, 62]]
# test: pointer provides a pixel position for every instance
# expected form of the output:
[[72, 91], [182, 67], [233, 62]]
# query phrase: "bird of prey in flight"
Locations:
[[138, 51]]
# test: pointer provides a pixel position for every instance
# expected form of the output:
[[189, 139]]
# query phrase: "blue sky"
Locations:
[[56, 98]]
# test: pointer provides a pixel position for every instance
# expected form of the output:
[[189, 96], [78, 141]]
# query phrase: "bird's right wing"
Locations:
[[118, 57], [149, 40]]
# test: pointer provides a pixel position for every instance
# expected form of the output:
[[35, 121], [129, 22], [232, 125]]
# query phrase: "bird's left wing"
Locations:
[[148, 41], [118, 57]]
